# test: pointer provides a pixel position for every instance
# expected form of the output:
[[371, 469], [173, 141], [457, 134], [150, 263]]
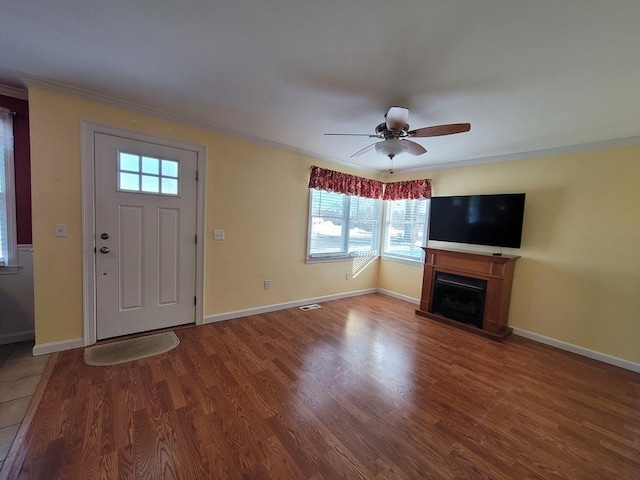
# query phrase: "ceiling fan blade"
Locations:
[[364, 150], [354, 135], [415, 148], [440, 130], [396, 118]]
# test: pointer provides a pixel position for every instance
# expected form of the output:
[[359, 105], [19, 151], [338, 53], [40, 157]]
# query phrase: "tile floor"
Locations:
[[20, 373]]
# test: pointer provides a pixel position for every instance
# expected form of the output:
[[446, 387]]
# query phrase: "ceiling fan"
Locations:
[[395, 134]]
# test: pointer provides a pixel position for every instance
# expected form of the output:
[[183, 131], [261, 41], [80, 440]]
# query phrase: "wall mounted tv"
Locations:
[[494, 220]]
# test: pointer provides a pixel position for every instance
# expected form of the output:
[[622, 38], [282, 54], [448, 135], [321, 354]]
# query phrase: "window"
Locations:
[[8, 241], [342, 225], [405, 228], [142, 174]]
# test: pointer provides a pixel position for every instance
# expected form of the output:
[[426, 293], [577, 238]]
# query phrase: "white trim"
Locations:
[[585, 352], [548, 152], [569, 347], [15, 269], [88, 131], [399, 296], [46, 348], [58, 87], [14, 92], [15, 337], [219, 317]]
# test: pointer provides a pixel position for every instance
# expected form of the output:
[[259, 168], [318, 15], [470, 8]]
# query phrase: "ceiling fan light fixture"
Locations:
[[392, 147]]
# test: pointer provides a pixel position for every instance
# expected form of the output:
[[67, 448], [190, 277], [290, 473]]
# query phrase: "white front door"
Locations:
[[145, 227]]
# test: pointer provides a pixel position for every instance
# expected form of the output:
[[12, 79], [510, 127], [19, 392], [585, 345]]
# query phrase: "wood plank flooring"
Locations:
[[360, 389]]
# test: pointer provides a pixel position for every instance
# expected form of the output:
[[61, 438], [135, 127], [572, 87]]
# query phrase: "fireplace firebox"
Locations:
[[459, 298]]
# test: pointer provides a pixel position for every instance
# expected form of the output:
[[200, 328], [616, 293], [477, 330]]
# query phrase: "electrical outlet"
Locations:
[[267, 284], [347, 276], [218, 234]]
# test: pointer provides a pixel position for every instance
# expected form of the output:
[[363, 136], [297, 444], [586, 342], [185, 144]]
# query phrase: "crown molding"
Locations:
[[59, 87], [548, 152], [77, 92], [14, 92]]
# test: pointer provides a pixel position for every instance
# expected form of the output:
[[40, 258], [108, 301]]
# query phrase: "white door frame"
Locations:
[[88, 131]]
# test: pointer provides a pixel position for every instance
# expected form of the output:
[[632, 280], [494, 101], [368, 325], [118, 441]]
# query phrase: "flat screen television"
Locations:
[[494, 220]]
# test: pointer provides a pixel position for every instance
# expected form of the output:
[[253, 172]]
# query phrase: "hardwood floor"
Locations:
[[362, 388]]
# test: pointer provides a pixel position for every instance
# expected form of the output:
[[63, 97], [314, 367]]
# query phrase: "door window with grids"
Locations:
[[142, 174]]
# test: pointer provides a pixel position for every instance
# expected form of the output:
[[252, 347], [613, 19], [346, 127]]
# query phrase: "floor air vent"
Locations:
[[313, 306]]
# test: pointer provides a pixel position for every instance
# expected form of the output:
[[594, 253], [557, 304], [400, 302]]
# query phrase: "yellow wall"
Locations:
[[578, 280], [257, 194]]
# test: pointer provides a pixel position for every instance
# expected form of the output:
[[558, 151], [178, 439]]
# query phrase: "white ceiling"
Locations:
[[528, 75]]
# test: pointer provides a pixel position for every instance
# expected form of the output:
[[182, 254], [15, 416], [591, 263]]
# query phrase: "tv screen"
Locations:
[[494, 220]]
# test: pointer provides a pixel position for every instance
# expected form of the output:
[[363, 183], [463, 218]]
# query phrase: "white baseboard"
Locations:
[[585, 352], [218, 317], [46, 348], [399, 296], [17, 337]]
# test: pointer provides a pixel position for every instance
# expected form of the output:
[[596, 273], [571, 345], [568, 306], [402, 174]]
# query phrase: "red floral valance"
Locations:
[[409, 190], [338, 182], [332, 181]]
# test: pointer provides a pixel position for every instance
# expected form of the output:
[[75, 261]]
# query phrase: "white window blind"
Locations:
[[343, 225], [8, 249], [405, 228]]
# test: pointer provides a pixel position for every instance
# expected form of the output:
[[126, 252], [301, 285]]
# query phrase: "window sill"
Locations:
[[341, 258], [327, 259], [404, 260], [10, 269]]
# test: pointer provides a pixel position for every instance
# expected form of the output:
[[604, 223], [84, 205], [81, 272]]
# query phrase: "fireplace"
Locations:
[[468, 290], [459, 298]]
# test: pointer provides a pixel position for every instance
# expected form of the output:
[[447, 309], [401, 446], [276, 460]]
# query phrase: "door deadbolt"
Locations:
[[104, 250], [104, 236]]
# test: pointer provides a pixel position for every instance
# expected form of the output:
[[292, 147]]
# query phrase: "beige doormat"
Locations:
[[129, 350]]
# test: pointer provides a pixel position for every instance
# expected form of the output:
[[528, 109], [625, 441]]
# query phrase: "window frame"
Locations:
[[10, 264], [344, 254], [386, 222]]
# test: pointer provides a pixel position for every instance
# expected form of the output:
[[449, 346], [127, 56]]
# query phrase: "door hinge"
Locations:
[[197, 175], [196, 238], [195, 300]]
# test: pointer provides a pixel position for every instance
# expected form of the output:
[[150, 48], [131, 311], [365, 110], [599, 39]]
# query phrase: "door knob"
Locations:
[[104, 250]]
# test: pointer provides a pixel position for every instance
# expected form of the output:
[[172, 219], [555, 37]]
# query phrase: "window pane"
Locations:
[[130, 181], [8, 243], [326, 237], [342, 225], [150, 165], [150, 184], [363, 224], [169, 186], [405, 228], [130, 163], [327, 212], [169, 168]]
